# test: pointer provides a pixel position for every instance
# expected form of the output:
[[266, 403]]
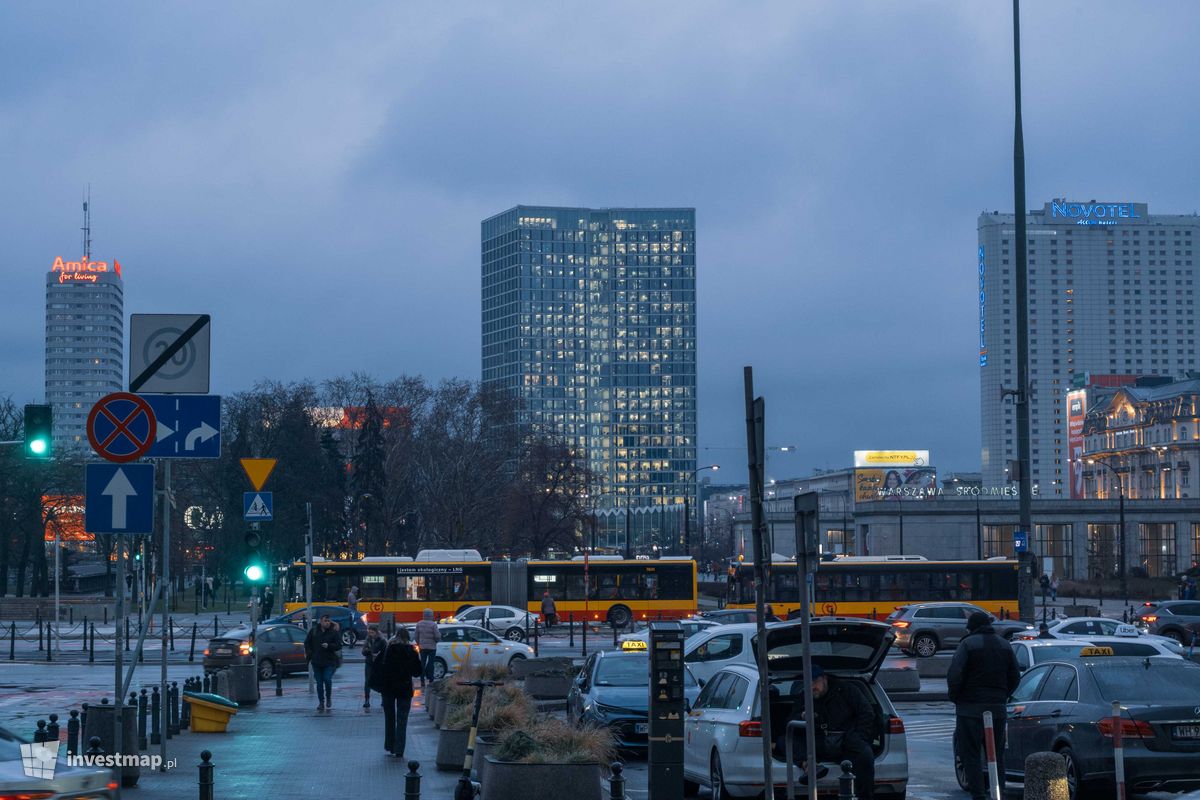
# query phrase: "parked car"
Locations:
[[1082, 626], [641, 639], [729, 616], [277, 646], [1031, 652], [463, 644], [922, 629], [508, 621], [1066, 708], [1178, 619], [68, 782], [354, 627], [723, 732], [613, 690]]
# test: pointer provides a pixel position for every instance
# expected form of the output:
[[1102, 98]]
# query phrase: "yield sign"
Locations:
[[258, 470], [121, 427]]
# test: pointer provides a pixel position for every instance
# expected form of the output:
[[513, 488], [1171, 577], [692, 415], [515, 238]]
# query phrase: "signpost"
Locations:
[[186, 426], [121, 427], [806, 507], [257, 506], [119, 498], [169, 353]]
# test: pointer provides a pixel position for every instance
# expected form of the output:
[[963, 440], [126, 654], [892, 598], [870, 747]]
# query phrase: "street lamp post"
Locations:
[[687, 515], [1121, 525]]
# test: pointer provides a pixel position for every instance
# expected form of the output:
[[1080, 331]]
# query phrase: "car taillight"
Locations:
[[1150, 618], [245, 649], [750, 728], [900, 624], [206, 651], [1129, 727], [111, 786], [25, 795], [895, 725]]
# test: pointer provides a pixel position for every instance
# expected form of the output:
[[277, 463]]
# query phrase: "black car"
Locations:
[[1066, 708], [1178, 619], [354, 629], [278, 647]]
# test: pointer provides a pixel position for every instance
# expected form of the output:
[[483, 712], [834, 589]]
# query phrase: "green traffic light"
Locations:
[[254, 573], [38, 447]]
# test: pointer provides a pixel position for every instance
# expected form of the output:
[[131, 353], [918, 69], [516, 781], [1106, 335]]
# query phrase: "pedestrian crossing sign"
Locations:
[[257, 506]]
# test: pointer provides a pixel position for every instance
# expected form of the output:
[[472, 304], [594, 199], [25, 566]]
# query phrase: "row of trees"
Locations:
[[385, 468]]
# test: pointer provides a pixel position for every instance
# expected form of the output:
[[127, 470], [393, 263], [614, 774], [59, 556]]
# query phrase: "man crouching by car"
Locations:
[[845, 727]]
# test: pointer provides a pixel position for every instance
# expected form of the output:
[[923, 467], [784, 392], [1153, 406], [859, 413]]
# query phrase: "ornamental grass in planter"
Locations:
[[503, 708], [550, 682], [562, 761]]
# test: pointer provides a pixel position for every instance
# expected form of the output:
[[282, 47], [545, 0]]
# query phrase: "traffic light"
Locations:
[[38, 434], [255, 570]]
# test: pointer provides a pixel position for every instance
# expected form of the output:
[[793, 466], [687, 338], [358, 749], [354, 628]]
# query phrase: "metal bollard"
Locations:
[[155, 716], [83, 718], [106, 615], [52, 730], [185, 710], [616, 782], [206, 775], [12, 642], [846, 783], [171, 632], [1118, 750], [92, 649], [583, 633], [127, 636], [173, 720], [279, 681], [39, 624], [73, 733], [536, 637], [614, 630], [192, 648], [216, 627], [85, 632], [571, 630], [94, 748], [412, 782], [207, 682], [39, 735], [143, 709], [989, 745], [70, 615]]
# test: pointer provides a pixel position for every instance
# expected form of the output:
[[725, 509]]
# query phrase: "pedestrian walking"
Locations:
[[372, 647], [208, 591], [322, 648], [428, 637], [982, 675], [392, 676], [268, 602], [549, 609], [352, 601], [1054, 588]]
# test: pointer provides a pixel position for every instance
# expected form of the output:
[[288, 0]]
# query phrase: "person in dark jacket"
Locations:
[[392, 677], [845, 723], [372, 647], [982, 675], [322, 648]]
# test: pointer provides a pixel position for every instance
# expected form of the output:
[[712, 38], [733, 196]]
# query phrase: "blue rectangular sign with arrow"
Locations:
[[257, 506], [119, 498], [189, 426]]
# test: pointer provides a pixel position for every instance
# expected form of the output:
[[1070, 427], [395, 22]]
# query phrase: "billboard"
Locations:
[[891, 458], [899, 483], [1076, 411]]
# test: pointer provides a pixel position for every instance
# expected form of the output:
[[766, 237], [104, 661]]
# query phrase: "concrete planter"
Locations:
[[432, 701], [439, 713], [485, 743], [547, 686], [451, 749], [506, 780], [523, 668]]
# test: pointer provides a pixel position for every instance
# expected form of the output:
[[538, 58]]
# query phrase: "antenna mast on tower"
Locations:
[[87, 224]]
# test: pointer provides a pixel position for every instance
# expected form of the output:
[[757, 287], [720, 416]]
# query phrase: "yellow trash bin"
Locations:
[[210, 712]]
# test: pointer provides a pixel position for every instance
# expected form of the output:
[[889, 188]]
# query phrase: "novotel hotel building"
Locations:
[[1112, 290], [85, 342]]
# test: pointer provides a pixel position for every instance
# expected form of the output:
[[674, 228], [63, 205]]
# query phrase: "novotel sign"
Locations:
[[1093, 213], [82, 270]]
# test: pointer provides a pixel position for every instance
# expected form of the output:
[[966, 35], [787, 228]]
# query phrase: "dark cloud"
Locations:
[[315, 177]]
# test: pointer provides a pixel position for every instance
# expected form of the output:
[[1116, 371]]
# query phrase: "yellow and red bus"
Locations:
[[864, 586], [617, 590]]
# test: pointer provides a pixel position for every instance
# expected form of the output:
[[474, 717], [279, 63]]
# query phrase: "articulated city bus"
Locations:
[[873, 586], [617, 590]]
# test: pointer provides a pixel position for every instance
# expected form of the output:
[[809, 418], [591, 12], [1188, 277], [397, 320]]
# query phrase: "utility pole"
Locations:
[[755, 425], [1025, 599]]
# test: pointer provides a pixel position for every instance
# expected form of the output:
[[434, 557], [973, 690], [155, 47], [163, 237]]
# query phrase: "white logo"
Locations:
[[39, 760]]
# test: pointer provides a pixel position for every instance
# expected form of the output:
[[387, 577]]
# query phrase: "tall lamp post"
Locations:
[[1121, 525], [687, 515]]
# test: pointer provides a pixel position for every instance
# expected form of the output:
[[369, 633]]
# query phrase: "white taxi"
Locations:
[[470, 644], [641, 639]]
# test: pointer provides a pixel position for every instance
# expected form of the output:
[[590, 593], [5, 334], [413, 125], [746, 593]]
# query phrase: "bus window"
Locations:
[[477, 587], [675, 583], [650, 586], [629, 585], [376, 587], [785, 586], [827, 587], [412, 587]]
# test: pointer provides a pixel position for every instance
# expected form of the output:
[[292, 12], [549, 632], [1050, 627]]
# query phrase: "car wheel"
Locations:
[[960, 774], [439, 668], [716, 779], [348, 638], [514, 635], [619, 616], [516, 657], [690, 788], [924, 645], [266, 669], [1177, 635]]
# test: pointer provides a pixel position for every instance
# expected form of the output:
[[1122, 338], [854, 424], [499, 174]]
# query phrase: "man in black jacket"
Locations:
[[982, 676]]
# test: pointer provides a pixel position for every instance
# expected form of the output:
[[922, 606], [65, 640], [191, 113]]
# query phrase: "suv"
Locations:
[[1178, 619], [922, 629]]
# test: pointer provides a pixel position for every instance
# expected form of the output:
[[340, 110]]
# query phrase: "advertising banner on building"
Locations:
[[1076, 411], [901, 483], [891, 458]]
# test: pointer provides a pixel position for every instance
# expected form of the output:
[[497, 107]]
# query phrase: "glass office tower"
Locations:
[[589, 320]]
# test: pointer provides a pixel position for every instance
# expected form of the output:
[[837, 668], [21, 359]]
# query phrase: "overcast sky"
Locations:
[[313, 175]]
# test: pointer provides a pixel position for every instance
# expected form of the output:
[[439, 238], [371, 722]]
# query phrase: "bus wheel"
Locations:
[[439, 669], [514, 635], [620, 616]]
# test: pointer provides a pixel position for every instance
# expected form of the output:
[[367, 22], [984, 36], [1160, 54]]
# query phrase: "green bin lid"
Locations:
[[208, 697]]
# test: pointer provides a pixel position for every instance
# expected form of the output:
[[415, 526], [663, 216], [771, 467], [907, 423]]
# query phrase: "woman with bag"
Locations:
[[323, 649], [392, 675]]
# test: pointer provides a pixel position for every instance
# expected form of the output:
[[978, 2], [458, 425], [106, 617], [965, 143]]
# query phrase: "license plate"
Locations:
[[1185, 732], [641, 727], [223, 651]]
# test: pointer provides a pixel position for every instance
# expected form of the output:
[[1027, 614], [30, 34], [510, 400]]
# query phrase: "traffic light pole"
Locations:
[[57, 586], [164, 579]]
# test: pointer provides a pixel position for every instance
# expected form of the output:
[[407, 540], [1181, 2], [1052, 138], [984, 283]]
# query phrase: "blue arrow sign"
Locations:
[[189, 425], [119, 498], [257, 506]]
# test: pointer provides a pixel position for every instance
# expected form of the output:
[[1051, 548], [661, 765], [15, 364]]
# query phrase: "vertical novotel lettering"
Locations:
[[982, 299]]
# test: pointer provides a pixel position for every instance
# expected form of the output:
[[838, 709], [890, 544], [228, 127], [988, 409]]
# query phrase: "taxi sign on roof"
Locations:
[[1095, 651], [633, 644]]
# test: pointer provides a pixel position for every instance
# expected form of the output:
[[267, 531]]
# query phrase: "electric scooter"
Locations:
[[468, 789]]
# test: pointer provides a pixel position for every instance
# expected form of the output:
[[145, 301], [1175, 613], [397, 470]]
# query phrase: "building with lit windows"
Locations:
[[589, 321], [1111, 291], [85, 342]]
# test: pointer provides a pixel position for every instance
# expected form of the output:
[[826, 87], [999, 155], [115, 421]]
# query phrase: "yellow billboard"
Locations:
[[891, 458]]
